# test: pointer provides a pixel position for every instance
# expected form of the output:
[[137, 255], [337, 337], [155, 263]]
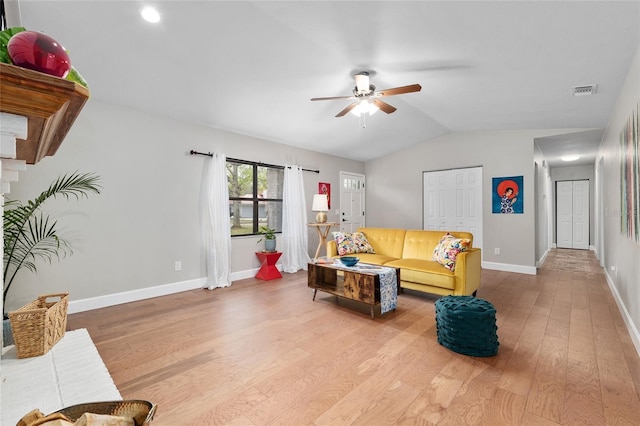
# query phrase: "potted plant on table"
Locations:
[[269, 238], [30, 235]]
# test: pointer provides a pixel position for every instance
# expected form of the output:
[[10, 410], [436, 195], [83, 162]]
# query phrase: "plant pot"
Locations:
[[270, 245]]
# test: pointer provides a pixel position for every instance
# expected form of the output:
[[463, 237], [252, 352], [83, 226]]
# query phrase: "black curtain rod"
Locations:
[[236, 160]]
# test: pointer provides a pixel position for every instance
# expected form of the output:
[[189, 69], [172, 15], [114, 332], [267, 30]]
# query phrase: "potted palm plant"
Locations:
[[30, 235], [269, 238]]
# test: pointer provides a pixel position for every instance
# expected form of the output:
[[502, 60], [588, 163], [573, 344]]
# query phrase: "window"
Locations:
[[255, 196]]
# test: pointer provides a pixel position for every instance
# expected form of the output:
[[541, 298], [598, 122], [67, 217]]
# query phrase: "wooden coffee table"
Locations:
[[361, 285]]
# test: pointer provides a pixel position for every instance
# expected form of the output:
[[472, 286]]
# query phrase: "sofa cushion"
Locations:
[[351, 243], [447, 250], [424, 272], [374, 259], [385, 241]]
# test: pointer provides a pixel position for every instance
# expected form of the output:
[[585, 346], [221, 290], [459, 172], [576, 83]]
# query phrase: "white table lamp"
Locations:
[[320, 205]]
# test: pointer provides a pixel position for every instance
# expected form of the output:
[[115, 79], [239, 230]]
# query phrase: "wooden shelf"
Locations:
[[51, 105]]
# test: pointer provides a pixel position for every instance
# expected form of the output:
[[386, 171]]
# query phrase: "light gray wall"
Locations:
[[543, 206], [619, 251], [147, 217], [394, 186], [575, 173]]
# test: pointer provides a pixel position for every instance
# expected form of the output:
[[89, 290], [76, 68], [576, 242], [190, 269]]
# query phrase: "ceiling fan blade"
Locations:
[[332, 98], [347, 109], [399, 90], [383, 105]]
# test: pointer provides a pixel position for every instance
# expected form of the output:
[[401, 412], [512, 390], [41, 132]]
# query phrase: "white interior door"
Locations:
[[564, 214], [581, 214], [572, 214], [436, 187], [352, 202], [453, 201]]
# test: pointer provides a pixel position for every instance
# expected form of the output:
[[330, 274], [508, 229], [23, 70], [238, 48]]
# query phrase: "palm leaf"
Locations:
[[30, 236]]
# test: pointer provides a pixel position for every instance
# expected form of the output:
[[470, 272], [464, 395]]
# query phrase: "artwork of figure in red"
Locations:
[[325, 188], [507, 195]]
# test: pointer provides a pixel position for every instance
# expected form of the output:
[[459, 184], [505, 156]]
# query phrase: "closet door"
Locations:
[[452, 201], [572, 214], [564, 214], [581, 214]]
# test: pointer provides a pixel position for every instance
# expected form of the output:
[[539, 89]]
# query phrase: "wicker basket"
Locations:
[[141, 411], [38, 325]]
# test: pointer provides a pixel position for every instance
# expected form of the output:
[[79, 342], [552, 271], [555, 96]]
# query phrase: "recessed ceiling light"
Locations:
[[570, 158], [150, 14]]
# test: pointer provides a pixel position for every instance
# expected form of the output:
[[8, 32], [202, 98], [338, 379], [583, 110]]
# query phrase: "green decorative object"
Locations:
[[467, 325], [6, 35], [269, 238]]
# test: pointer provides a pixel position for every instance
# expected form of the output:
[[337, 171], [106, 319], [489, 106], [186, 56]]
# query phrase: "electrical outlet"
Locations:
[[496, 250], [178, 265]]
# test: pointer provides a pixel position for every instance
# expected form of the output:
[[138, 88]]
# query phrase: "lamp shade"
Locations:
[[364, 107], [320, 203]]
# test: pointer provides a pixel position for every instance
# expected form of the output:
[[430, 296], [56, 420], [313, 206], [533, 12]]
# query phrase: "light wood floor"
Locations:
[[263, 353]]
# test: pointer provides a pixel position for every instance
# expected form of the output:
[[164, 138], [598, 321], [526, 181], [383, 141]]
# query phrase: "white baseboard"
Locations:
[[542, 259], [520, 269], [633, 330], [133, 295], [148, 292]]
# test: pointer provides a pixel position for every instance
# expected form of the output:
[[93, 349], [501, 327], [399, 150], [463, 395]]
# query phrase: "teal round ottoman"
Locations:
[[467, 325]]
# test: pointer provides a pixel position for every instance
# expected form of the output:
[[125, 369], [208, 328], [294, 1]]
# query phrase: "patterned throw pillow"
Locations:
[[349, 243], [446, 252]]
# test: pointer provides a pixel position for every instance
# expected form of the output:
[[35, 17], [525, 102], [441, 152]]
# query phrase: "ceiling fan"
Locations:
[[366, 99]]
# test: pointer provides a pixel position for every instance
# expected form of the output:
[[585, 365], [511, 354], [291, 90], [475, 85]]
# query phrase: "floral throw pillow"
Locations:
[[350, 243], [446, 252]]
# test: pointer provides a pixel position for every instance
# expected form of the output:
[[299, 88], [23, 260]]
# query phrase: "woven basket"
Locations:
[[141, 411], [38, 325]]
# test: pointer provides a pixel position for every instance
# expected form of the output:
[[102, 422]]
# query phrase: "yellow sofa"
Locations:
[[412, 251]]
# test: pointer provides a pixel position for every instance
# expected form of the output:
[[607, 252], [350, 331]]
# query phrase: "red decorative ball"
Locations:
[[39, 52]]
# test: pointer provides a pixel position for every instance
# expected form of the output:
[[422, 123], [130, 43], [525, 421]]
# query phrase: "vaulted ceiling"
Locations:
[[252, 67]]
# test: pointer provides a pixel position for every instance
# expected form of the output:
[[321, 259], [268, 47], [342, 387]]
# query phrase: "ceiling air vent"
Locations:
[[584, 90]]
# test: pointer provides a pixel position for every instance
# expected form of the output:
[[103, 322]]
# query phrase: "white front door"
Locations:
[[453, 201], [352, 210]]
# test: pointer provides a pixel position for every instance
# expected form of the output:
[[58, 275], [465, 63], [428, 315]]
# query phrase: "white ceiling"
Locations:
[[251, 67]]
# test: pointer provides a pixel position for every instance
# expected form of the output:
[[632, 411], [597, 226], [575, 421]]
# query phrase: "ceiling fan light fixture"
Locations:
[[362, 82], [364, 107]]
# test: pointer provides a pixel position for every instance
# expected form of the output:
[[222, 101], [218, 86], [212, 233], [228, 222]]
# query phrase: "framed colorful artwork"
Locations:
[[325, 188], [507, 195], [630, 177]]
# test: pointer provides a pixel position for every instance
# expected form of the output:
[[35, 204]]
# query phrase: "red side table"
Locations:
[[268, 270]]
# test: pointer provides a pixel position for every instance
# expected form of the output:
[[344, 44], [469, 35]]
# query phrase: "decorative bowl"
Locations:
[[349, 260]]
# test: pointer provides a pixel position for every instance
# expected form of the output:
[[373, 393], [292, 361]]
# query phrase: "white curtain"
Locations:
[[217, 223], [295, 255]]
